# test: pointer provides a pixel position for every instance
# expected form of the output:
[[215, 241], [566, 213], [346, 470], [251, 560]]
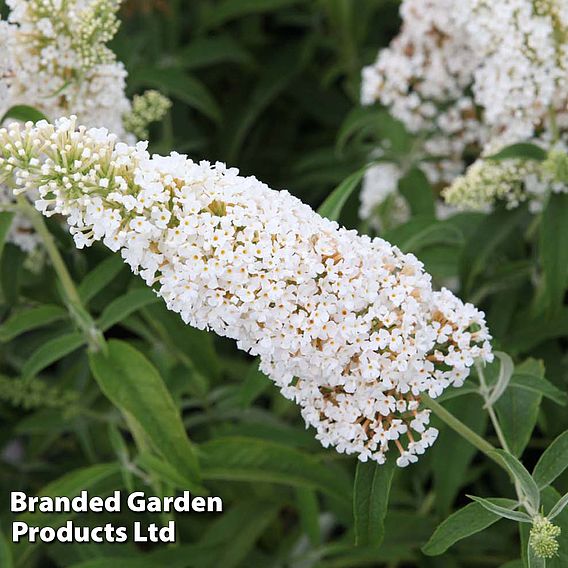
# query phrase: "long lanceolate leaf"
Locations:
[[370, 501], [491, 233], [100, 479], [23, 113], [553, 461], [504, 512], [134, 385], [246, 459], [523, 477], [6, 219], [28, 320], [99, 277], [52, 351], [559, 507], [332, 206], [518, 408], [506, 370], [554, 251], [465, 522]]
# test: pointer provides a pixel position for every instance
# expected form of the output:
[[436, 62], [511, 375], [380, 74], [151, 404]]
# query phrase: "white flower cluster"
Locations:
[[522, 46], [471, 73], [55, 59], [59, 61], [423, 76], [347, 326]]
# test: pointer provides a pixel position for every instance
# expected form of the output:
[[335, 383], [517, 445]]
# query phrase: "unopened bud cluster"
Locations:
[[97, 25], [510, 181], [33, 393], [149, 107], [543, 537], [347, 326]]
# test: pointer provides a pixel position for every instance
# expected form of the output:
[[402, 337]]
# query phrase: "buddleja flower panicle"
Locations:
[[472, 77], [346, 326]]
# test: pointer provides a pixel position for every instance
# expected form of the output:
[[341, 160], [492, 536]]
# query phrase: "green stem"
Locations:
[[73, 301], [463, 430], [485, 392], [476, 440], [51, 248], [496, 426]]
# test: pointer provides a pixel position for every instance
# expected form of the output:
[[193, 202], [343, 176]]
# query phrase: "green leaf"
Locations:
[[125, 305], [536, 384], [134, 385], [417, 191], [234, 533], [52, 351], [194, 347], [180, 85], [98, 478], [179, 556], [504, 512], [121, 450], [231, 9], [23, 113], [308, 508], [451, 458], [360, 120], [27, 320], [422, 232], [553, 249], [531, 332], [489, 235], [5, 552], [559, 507], [332, 206], [254, 384], [519, 472], [552, 462], [504, 278], [465, 522], [208, 51], [284, 66], [370, 501], [246, 459], [518, 408], [163, 470], [11, 269], [6, 218], [506, 370], [102, 275], [523, 151]]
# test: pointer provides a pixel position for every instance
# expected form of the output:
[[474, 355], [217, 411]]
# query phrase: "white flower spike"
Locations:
[[346, 326]]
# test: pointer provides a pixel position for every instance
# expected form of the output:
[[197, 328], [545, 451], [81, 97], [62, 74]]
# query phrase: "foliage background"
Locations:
[[269, 86]]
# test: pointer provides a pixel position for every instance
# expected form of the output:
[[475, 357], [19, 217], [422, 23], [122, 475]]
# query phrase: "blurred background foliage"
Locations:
[[271, 87]]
